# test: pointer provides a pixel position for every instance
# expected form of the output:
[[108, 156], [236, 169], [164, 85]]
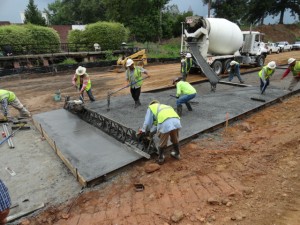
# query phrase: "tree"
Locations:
[[280, 7], [258, 11], [233, 10], [33, 15], [76, 11]]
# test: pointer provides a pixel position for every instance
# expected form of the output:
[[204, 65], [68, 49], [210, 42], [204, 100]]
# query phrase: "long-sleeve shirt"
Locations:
[[5, 201], [286, 73], [166, 126], [83, 81]]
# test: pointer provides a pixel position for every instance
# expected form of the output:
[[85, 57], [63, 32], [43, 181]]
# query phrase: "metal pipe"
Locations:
[[9, 141]]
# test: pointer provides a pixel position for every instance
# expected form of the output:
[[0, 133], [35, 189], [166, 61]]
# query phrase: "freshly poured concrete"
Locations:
[[94, 153]]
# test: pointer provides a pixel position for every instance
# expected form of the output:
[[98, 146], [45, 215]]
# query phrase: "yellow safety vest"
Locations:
[[296, 69], [89, 84], [137, 76], [268, 72], [162, 112], [7, 94]]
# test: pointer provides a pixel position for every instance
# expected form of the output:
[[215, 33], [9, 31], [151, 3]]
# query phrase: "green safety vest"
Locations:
[[137, 76], [89, 84], [184, 88], [296, 69], [162, 112], [188, 64], [268, 72], [184, 66], [7, 94]]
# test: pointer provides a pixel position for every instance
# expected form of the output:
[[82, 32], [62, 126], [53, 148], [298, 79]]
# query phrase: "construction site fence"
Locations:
[[32, 49], [57, 68]]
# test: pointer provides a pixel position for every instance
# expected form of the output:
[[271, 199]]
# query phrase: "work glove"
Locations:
[[140, 135]]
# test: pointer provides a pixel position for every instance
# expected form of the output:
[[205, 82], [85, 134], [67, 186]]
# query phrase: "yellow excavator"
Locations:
[[139, 58]]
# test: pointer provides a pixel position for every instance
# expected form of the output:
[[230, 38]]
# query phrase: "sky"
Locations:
[[10, 9]]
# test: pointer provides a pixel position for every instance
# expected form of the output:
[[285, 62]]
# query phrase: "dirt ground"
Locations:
[[245, 174]]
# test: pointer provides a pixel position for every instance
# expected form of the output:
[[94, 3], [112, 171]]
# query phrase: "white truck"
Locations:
[[219, 41], [273, 47], [284, 46]]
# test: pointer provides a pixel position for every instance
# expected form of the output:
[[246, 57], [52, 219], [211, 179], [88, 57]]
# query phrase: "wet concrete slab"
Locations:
[[86, 149], [94, 153]]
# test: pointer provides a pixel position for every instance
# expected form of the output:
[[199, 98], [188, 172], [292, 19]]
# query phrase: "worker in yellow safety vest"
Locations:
[[185, 65], [81, 80], [264, 74], [184, 93], [294, 66], [9, 98], [165, 121], [135, 80]]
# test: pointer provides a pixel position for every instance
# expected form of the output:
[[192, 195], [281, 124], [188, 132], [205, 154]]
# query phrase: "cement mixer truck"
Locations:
[[216, 41]]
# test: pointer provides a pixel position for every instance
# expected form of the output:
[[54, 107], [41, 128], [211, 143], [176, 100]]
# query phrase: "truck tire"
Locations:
[[217, 67], [277, 51], [260, 61]]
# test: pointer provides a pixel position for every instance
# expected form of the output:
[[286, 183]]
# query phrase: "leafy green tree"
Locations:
[[33, 15], [281, 6], [63, 12], [233, 10], [144, 18], [257, 11]]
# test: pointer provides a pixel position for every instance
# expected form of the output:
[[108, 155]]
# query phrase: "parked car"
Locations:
[[272, 47], [296, 46], [284, 46]]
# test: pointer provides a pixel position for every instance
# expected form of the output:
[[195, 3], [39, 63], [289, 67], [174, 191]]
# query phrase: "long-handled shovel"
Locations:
[[109, 93]]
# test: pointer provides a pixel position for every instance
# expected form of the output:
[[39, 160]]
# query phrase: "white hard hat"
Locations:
[[188, 55], [291, 60], [80, 70], [129, 62], [271, 65], [233, 63]]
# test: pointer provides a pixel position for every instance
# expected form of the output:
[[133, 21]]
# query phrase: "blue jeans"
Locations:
[[184, 98], [231, 75], [263, 86]]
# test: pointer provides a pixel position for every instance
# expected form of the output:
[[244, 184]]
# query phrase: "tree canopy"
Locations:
[[33, 15], [253, 11]]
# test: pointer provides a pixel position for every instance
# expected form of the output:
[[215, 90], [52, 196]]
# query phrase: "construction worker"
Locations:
[[234, 69], [81, 80], [294, 66], [189, 62], [264, 74], [165, 121], [135, 80], [184, 93], [183, 67], [9, 98], [5, 203]]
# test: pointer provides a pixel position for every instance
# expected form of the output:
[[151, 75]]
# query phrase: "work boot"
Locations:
[[179, 110], [136, 104], [189, 107], [161, 157], [175, 153]]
